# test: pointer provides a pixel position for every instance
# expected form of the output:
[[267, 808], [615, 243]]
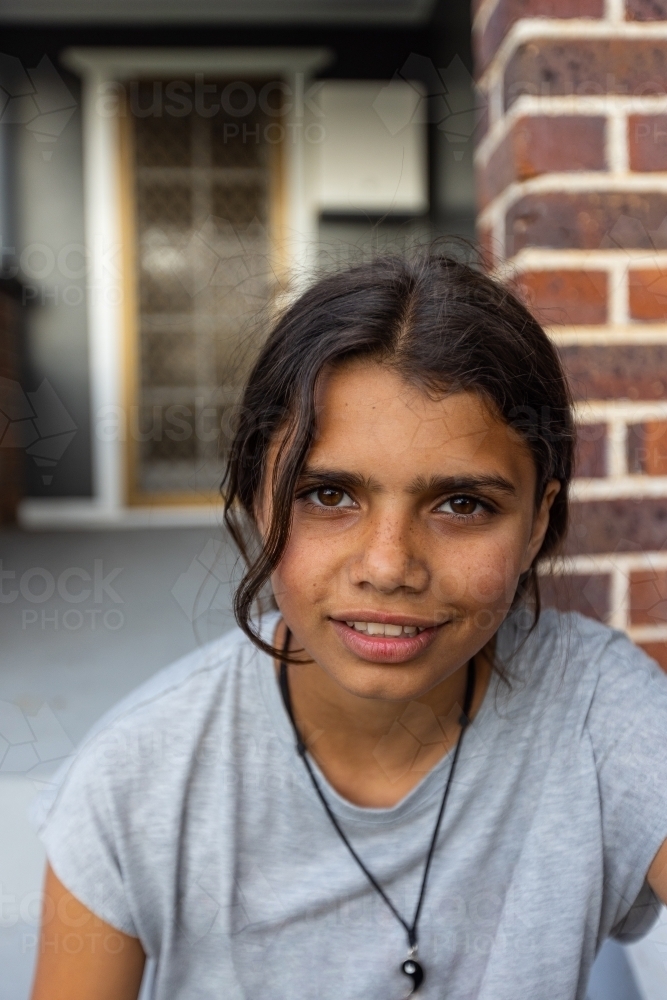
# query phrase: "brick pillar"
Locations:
[[572, 192]]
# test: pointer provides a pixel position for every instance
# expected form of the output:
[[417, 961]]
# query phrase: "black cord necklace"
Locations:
[[411, 966]]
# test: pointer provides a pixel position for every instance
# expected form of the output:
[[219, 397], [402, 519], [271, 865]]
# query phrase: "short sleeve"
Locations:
[[80, 829], [627, 725]]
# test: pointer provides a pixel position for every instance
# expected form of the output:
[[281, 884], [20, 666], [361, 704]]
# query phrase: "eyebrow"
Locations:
[[434, 485]]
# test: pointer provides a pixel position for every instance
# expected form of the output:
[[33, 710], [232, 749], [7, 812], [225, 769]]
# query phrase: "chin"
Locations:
[[388, 682]]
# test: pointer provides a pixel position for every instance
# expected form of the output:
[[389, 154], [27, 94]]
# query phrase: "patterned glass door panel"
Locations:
[[205, 206]]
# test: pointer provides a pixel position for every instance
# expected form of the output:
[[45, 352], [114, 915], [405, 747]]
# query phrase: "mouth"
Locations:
[[386, 628], [393, 640]]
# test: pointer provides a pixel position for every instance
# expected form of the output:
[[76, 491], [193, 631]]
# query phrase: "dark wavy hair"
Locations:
[[442, 325]]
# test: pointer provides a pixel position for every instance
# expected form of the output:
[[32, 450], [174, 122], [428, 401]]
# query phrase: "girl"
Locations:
[[405, 779]]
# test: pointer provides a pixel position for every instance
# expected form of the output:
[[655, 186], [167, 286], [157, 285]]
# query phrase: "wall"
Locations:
[[572, 195], [44, 250]]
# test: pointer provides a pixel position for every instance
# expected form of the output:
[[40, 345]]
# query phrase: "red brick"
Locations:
[[549, 67], [565, 297], [648, 295], [655, 443], [647, 448], [647, 142], [625, 220], [612, 371], [646, 10], [635, 451], [657, 651], [587, 594], [591, 451], [637, 525], [508, 12], [648, 597], [541, 145]]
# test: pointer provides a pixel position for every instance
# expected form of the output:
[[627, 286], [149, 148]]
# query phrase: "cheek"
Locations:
[[480, 575], [304, 573]]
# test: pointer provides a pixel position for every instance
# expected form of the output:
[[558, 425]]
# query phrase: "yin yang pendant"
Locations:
[[412, 968]]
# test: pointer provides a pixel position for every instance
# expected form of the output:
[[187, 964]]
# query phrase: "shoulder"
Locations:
[[571, 638], [184, 688], [159, 725], [605, 654], [567, 658], [563, 643]]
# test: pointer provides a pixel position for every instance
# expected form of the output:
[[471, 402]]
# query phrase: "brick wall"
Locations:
[[572, 189]]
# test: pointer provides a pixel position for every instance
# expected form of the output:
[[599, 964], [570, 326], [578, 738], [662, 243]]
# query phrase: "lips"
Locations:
[[385, 648]]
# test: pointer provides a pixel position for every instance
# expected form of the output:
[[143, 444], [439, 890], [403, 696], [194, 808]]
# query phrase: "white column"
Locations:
[[105, 289]]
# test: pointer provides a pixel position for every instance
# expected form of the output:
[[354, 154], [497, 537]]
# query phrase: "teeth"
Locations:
[[378, 628]]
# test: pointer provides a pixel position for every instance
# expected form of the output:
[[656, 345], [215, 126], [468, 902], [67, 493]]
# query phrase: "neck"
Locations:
[[372, 751]]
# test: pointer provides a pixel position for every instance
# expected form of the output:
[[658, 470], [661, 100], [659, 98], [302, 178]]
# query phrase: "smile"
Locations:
[[385, 642], [380, 628]]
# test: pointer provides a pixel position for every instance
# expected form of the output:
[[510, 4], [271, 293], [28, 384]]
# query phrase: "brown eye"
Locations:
[[330, 496], [464, 506]]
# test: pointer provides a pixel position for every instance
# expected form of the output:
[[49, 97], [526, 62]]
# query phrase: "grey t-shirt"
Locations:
[[188, 820]]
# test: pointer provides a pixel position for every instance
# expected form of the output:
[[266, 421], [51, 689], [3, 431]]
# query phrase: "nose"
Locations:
[[389, 558]]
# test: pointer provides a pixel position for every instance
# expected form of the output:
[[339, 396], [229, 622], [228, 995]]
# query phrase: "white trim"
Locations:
[[617, 457], [45, 514], [496, 104], [619, 598], [648, 633], [483, 15], [101, 69], [101, 182], [584, 565], [603, 335], [614, 11], [619, 486], [605, 410], [618, 291], [123, 64], [545, 259], [616, 141]]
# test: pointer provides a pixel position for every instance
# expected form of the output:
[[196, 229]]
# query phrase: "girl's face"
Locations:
[[413, 521]]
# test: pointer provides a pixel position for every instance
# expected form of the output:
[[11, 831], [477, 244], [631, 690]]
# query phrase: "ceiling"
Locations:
[[387, 12]]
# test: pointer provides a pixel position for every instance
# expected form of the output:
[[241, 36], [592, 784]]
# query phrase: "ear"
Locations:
[[540, 524]]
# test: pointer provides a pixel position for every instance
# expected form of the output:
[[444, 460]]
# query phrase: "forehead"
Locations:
[[366, 412]]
